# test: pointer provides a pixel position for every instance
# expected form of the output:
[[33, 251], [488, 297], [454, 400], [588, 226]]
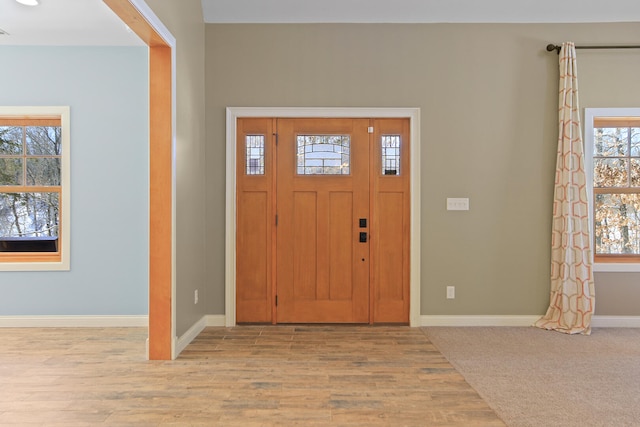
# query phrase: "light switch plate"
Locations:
[[457, 204]]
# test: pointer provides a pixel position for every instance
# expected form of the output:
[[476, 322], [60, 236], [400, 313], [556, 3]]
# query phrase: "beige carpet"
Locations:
[[532, 377]]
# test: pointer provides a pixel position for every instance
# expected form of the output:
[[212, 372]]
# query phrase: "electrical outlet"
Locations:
[[451, 292], [195, 296]]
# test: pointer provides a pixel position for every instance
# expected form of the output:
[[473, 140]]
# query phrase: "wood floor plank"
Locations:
[[316, 375]]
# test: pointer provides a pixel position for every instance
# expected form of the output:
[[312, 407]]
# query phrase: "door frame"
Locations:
[[234, 113], [140, 18]]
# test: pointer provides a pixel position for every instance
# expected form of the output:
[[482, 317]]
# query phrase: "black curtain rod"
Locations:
[[552, 47]]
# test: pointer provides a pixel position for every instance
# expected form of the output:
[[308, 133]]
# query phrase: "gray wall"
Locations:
[[184, 21], [106, 88], [488, 100]]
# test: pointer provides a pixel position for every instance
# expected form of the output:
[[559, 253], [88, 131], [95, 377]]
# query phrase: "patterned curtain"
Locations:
[[572, 288]]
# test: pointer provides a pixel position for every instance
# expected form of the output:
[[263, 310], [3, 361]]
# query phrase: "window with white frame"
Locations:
[[34, 181], [612, 151]]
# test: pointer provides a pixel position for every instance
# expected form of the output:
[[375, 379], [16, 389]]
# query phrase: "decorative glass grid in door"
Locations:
[[323, 154], [390, 154], [255, 154]]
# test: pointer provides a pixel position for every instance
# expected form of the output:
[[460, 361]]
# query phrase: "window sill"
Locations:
[[35, 261], [619, 267]]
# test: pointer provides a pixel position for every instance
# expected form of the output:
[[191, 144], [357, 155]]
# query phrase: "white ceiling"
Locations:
[[410, 11], [91, 22], [63, 22]]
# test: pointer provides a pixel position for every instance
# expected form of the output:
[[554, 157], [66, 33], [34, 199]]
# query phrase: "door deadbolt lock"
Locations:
[[363, 237]]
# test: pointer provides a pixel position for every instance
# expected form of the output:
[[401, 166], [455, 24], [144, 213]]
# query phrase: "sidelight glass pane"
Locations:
[[390, 155], [255, 154], [323, 154]]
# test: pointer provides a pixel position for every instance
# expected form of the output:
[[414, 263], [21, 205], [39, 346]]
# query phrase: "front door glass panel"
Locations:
[[255, 154], [390, 154], [323, 154]]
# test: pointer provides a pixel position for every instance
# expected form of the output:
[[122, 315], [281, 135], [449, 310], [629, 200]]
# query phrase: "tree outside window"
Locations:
[[616, 184], [30, 185]]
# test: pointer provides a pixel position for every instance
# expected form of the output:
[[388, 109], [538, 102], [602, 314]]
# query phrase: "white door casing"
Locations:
[[233, 113]]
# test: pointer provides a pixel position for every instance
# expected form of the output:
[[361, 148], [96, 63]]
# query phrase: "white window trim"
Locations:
[[589, 115], [63, 112]]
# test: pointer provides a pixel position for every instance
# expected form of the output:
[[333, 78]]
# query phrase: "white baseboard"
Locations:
[[596, 321], [216, 320], [615, 321], [192, 333], [73, 321]]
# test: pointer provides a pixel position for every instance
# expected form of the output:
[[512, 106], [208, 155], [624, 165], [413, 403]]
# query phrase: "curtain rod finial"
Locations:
[[552, 47]]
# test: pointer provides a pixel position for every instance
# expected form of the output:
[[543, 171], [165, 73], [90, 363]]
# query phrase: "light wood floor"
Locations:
[[244, 376]]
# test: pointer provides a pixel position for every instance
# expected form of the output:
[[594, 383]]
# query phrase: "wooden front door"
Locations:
[[322, 221], [323, 192]]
